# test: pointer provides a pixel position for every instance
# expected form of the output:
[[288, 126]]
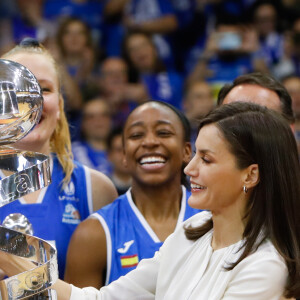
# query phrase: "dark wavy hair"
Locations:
[[258, 135], [265, 81]]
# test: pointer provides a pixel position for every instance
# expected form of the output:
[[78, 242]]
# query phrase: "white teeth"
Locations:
[[196, 186], [152, 159]]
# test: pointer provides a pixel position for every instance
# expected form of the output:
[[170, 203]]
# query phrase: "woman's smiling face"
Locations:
[[216, 181], [155, 149]]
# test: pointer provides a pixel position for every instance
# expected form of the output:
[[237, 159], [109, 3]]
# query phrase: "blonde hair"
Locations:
[[60, 141]]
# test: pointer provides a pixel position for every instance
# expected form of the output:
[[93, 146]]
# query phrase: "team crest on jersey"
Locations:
[[71, 214]]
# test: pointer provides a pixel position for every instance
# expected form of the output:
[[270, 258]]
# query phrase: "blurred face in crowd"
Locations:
[[74, 39], [96, 122], [154, 145], [45, 71], [198, 100], [116, 155], [265, 19], [254, 93], [141, 51], [113, 74], [292, 85]]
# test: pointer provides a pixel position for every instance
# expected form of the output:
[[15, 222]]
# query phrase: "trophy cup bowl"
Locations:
[[21, 104], [21, 101]]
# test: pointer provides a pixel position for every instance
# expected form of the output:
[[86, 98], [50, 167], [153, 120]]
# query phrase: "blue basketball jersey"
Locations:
[[129, 237], [58, 210]]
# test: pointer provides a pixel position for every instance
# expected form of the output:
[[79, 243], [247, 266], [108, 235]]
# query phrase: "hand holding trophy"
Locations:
[[24, 172]]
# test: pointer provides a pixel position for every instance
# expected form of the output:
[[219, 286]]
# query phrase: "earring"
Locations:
[[245, 190]]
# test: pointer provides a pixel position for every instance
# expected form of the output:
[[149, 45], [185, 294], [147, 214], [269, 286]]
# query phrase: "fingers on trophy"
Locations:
[[21, 173]]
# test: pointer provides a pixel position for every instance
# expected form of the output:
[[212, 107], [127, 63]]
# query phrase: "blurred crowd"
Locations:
[[116, 54]]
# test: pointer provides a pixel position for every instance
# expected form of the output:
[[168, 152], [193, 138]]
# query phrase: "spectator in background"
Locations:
[[147, 68], [198, 101], [206, 15], [296, 45], [113, 85], [89, 11], [292, 84], [78, 58], [153, 17], [271, 42], [96, 125], [289, 62], [227, 54], [115, 152], [28, 21], [192, 19], [77, 51], [261, 89]]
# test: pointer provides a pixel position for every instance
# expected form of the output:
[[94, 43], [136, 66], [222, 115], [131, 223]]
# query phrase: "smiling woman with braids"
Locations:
[[246, 174]]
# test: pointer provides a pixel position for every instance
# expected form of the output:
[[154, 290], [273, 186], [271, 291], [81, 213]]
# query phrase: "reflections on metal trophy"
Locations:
[[18, 222], [21, 173]]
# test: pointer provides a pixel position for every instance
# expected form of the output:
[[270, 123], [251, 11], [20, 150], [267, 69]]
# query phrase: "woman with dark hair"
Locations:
[[246, 174]]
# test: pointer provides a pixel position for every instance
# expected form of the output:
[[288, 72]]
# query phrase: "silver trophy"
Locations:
[[24, 172]]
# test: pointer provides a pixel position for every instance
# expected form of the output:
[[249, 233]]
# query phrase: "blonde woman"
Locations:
[[75, 191]]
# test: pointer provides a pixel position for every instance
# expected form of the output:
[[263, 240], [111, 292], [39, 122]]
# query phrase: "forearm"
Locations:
[[62, 289], [162, 25], [113, 7]]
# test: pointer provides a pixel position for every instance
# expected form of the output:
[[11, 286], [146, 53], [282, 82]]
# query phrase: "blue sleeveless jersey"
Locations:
[[129, 237], [58, 211]]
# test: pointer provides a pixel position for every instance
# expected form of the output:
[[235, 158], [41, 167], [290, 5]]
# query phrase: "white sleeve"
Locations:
[[252, 279], [139, 284]]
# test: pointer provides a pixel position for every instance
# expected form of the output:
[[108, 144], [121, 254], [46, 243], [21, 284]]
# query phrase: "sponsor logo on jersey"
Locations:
[[126, 247], [129, 261], [68, 193], [71, 214], [70, 189]]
